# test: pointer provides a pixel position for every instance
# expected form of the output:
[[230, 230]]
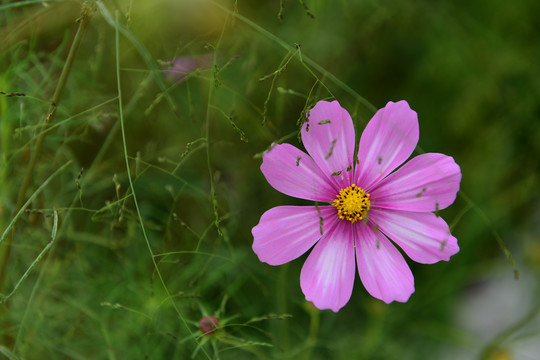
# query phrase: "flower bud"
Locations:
[[208, 325]]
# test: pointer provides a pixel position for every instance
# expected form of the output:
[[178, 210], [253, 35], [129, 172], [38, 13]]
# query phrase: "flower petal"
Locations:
[[424, 237], [383, 270], [327, 276], [292, 172], [387, 141], [328, 136], [286, 232], [427, 182]]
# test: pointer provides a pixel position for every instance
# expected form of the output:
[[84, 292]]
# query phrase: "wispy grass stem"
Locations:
[[128, 171], [83, 22]]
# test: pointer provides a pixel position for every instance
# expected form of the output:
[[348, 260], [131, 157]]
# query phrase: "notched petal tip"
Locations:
[[327, 276], [423, 236], [323, 306], [382, 269], [328, 136], [401, 103], [448, 247], [387, 141], [428, 182]]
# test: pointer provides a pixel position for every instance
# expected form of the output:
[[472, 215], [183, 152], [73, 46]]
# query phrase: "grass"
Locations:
[[141, 190]]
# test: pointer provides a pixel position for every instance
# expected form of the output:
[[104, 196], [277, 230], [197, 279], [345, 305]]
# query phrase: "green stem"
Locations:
[[35, 262], [303, 59], [116, 25], [314, 315], [281, 299], [83, 22], [25, 184], [214, 83]]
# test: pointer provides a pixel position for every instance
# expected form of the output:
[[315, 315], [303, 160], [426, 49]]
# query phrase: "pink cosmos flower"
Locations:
[[183, 65], [360, 205]]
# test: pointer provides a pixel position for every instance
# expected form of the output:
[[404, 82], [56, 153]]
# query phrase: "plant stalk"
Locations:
[[25, 184]]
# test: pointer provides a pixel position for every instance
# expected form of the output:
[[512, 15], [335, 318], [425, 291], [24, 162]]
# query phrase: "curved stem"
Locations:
[[5, 250], [25, 184]]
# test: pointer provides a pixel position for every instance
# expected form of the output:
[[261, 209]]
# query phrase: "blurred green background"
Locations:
[[111, 287]]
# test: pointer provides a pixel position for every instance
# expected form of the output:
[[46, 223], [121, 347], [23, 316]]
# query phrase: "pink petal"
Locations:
[[387, 141], [286, 232], [327, 276], [328, 136], [184, 64], [428, 182], [424, 237], [383, 270], [292, 172]]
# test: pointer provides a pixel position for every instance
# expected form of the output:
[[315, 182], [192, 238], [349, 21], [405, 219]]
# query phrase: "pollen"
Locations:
[[352, 203]]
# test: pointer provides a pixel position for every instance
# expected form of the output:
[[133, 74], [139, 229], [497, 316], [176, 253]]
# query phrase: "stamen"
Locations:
[[352, 203]]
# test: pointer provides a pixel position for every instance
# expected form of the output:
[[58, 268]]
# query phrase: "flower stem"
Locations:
[[314, 321], [281, 300]]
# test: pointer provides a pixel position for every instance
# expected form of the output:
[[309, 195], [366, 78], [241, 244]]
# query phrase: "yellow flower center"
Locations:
[[352, 203]]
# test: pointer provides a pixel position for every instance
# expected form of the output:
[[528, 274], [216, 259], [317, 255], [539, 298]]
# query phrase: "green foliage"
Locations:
[[135, 219]]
